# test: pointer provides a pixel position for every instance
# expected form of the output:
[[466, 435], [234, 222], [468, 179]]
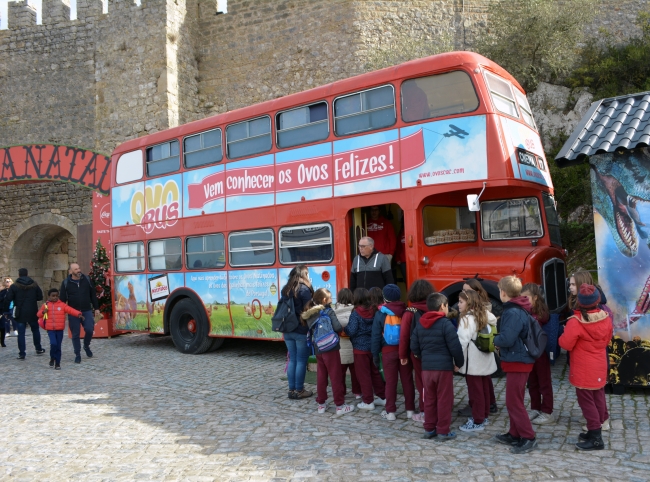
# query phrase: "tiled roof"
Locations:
[[613, 124]]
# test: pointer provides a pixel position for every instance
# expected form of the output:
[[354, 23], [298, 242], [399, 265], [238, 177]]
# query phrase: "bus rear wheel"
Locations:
[[189, 328]]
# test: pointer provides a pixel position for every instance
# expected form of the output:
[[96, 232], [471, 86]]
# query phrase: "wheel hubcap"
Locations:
[[191, 326]]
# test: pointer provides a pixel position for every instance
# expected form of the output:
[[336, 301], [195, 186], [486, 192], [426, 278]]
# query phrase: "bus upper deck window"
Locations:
[[306, 244], [203, 148], [129, 167], [163, 158], [445, 224], [511, 218], [302, 125], [526, 111], [438, 95], [249, 137], [364, 111], [501, 95]]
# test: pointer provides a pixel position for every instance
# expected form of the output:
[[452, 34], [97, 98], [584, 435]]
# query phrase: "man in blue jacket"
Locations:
[[79, 292], [516, 363], [25, 294]]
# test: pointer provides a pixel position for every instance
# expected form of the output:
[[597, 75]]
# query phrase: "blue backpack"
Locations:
[[323, 335]]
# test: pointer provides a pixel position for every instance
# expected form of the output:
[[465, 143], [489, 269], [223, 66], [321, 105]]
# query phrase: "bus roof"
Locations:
[[417, 67]]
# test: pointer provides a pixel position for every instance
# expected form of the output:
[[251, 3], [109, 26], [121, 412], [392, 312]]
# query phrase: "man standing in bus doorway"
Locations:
[[370, 268], [79, 292], [381, 230], [25, 293]]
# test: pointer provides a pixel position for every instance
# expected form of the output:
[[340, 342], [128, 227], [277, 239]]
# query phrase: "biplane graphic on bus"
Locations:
[[224, 207]]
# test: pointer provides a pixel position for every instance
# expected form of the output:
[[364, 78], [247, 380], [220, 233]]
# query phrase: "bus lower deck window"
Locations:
[[511, 218], [445, 224], [252, 248], [306, 244], [165, 254], [129, 257], [204, 252]]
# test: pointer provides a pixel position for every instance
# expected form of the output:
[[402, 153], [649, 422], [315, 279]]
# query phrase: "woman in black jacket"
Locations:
[[299, 288]]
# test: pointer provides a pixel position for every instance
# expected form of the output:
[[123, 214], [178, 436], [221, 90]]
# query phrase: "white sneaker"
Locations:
[[388, 416], [343, 409], [470, 426], [322, 408], [366, 406], [380, 401], [544, 418], [418, 417], [533, 414], [358, 396], [409, 414], [486, 422], [15, 333]]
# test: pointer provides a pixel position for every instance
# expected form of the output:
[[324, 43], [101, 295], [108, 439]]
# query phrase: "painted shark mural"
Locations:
[[620, 182]]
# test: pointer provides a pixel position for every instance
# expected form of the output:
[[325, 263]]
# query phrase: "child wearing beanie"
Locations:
[[586, 336], [386, 330]]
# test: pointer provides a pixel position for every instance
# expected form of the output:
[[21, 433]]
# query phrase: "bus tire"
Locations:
[[189, 328], [216, 344]]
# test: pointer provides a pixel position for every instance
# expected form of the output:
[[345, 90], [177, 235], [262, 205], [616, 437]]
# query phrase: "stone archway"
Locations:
[[44, 244]]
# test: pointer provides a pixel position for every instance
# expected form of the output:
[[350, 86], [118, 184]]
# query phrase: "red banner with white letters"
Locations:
[[209, 189]]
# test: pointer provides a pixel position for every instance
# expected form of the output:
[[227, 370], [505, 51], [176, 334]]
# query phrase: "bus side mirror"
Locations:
[[472, 202], [473, 199]]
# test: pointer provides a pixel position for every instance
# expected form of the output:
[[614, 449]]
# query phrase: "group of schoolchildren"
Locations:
[[432, 341]]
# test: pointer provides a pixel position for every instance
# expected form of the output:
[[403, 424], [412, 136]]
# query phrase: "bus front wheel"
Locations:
[[189, 329]]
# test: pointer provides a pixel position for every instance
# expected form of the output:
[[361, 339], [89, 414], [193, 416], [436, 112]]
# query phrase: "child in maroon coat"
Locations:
[[417, 298], [540, 386], [586, 336]]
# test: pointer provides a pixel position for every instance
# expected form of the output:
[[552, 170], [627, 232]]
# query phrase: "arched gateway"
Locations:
[[46, 208]]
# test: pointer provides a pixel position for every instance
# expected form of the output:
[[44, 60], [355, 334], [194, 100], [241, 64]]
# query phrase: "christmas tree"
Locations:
[[99, 274]]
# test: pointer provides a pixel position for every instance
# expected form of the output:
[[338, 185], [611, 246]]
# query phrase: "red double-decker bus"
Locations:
[[208, 218]]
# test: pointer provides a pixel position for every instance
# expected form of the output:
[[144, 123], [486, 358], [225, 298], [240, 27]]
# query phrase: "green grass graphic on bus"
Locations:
[[131, 303], [156, 309], [212, 288], [253, 298]]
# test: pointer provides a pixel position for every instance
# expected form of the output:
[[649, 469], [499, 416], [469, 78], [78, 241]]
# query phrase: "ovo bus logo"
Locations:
[[157, 207]]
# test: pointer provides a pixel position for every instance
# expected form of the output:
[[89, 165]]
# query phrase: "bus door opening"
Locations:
[[385, 225]]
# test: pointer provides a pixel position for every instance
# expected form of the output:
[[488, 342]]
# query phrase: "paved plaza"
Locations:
[[140, 410]]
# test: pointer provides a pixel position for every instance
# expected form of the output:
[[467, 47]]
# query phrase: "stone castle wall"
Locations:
[[102, 79]]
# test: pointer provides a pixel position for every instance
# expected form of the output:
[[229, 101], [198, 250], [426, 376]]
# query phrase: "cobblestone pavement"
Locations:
[[141, 410]]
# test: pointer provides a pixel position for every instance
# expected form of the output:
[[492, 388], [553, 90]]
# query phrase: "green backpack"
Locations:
[[485, 339]]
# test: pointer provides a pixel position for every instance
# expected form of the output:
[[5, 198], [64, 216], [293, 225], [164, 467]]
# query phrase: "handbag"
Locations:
[[485, 339], [284, 320]]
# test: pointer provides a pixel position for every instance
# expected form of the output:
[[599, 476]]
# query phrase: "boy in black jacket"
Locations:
[[435, 342]]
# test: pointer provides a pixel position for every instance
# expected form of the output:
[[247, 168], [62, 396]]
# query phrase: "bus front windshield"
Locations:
[[511, 219]]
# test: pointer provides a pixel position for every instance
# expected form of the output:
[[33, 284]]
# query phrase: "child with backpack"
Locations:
[[517, 364], [323, 334], [417, 298], [51, 317], [343, 310], [479, 365], [386, 330], [435, 343], [359, 330], [586, 336], [540, 385]]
